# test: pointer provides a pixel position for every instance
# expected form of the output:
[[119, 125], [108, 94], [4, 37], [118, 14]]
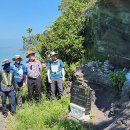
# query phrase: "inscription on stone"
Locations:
[[81, 96]]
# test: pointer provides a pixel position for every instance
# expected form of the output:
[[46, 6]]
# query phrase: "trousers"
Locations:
[[11, 96], [34, 89], [59, 85]]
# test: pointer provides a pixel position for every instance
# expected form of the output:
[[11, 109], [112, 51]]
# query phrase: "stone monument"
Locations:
[[80, 102]]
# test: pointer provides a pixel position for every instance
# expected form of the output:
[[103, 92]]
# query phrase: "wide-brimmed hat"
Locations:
[[29, 53], [53, 53], [5, 61], [17, 57]]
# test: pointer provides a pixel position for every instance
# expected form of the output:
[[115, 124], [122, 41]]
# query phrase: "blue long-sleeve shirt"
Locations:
[[16, 68]]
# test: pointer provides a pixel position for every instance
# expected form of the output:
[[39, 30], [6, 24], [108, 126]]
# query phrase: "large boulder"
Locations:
[[92, 77]]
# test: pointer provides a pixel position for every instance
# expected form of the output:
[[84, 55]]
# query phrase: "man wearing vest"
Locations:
[[34, 69], [56, 74], [19, 71], [7, 88]]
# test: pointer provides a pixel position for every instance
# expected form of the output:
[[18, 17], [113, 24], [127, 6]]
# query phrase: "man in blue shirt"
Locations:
[[56, 74], [19, 71]]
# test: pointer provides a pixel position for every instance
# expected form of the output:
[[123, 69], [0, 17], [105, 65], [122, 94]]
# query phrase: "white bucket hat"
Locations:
[[17, 57], [5, 61], [53, 53]]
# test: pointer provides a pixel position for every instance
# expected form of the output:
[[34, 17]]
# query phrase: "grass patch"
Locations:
[[49, 115]]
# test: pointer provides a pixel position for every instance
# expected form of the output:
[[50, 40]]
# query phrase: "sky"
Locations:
[[18, 15]]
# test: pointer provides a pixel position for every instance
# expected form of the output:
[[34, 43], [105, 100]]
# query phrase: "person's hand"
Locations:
[[26, 82], [15, 90], [24, 85], [49, 80], [63, 79], [1, 94]]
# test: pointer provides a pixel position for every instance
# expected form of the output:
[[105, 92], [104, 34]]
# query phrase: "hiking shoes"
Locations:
[[5, 115]]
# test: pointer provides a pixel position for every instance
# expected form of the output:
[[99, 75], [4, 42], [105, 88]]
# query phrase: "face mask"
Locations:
[[7, 67]]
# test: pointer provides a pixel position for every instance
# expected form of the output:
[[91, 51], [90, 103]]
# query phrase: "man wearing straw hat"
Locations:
[[20, 72], [34, 69], [56, 74], [7, 87]]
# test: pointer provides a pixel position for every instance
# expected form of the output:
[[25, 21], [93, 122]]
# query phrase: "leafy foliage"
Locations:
[[65, 35], [118, 79], [31, 41], [71, 125]]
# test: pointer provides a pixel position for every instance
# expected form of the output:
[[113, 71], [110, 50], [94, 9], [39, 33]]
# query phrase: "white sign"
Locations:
[[78, 112]]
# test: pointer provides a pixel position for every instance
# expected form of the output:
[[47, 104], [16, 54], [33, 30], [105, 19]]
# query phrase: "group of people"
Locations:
[[13, 78]]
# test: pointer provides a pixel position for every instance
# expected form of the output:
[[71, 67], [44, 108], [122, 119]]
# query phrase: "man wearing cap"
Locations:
[[56, 74], [7, 87], [19, 71], [34, 69]]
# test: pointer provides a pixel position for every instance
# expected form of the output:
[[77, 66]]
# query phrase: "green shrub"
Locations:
[[71, 125], [117, 79], [44, 80], [69, 69]]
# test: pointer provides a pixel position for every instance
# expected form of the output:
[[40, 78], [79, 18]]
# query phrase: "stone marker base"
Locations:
[[78, 112]]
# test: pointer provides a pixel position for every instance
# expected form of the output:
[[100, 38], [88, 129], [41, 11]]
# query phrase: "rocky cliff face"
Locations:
[[111, 27], [111, 111]]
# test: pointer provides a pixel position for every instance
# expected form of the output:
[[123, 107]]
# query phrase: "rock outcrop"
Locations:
[[111, 27], [111, 110]]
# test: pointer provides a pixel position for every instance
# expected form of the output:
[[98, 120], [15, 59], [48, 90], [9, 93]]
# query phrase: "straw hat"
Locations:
[[53, 53], [17, 57], [5, 61], [29, 53]]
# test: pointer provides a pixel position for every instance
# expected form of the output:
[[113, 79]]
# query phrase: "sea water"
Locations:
[[7, 51]]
